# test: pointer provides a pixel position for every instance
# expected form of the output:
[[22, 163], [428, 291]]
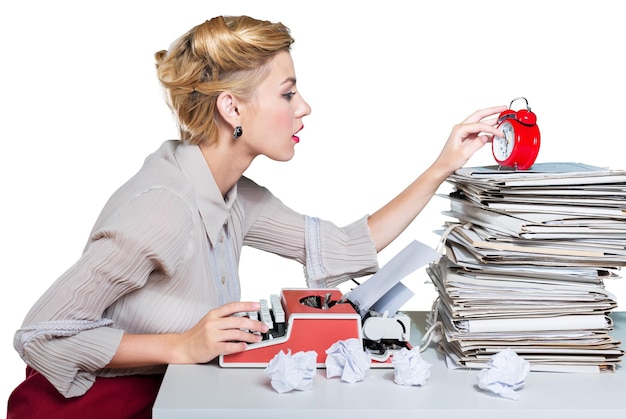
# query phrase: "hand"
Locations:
[[219, 332], [468, 137]]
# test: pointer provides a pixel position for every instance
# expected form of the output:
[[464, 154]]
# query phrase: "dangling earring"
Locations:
[[238, 132]]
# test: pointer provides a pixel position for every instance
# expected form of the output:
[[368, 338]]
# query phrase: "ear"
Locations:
[[227, 108]]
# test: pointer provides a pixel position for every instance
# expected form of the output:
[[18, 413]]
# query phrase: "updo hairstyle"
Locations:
[[226, 53]]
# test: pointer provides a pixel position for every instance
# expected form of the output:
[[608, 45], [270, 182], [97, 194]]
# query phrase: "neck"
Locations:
[[226, 162]]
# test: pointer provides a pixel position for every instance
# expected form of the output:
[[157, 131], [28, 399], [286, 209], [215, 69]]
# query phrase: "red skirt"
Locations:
[[110, 397]]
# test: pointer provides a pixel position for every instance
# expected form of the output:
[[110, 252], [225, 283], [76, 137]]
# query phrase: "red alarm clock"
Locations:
[[519, 147]]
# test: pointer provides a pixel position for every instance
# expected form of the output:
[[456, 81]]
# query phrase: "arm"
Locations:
[[64, 335], [329, 253], [217, 333], [466, 138], [67, 336]]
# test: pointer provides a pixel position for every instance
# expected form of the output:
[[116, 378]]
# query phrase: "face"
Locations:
[[273, 118]]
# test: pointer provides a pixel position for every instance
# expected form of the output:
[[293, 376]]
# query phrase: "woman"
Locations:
[[157, 282]]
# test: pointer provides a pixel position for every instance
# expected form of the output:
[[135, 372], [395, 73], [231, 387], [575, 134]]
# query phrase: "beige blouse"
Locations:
[[165, 251]]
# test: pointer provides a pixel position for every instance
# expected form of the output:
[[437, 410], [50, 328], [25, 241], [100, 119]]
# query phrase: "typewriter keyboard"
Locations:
[[272, 314]]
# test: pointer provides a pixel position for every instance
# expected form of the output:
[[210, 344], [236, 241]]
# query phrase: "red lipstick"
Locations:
[[295, 138]]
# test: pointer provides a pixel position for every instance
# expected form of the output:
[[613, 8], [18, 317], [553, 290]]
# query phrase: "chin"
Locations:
[[286, 156], [281, 154]]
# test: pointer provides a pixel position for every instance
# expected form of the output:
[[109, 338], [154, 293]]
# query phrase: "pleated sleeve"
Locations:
[[66, 335], [330, 254]]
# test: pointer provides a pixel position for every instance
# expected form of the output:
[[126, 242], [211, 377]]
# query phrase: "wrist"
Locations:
[[439, 171], [147, 350], [174, 350]]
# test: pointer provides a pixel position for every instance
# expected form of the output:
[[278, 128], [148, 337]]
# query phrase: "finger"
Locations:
[[235, 322], [483, 113], [232, 347], [490, 121], [475, 128], [237, 335], [244, 323], [229, 309]]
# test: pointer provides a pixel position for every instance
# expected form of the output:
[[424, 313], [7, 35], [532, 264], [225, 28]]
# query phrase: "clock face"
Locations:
[[503, 146]]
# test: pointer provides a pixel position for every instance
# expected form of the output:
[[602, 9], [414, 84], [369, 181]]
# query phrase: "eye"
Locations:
[[289, 95]]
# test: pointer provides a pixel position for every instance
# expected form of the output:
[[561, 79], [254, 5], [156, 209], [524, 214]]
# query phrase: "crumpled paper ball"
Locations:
[[507, 372], [292, 372], [409, 368], [348, 360]]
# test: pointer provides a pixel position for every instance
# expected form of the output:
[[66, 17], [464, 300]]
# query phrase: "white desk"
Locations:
[[203, 391]]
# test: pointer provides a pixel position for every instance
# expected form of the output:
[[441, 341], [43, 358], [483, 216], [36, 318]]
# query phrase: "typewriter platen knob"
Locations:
[[374, 328], [379, 327]]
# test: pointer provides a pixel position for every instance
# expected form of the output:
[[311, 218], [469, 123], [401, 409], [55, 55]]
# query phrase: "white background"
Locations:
[[81, 108]]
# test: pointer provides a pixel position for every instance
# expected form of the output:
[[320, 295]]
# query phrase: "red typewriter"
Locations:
[[301, 320], [313, 320]]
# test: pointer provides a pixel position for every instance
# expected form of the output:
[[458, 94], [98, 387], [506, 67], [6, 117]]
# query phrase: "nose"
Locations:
[[303, 108]]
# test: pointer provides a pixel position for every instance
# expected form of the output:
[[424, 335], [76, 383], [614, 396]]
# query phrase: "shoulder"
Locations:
[[158, 185], [160, 171], [256, 200], [249, 190], [252, 199]]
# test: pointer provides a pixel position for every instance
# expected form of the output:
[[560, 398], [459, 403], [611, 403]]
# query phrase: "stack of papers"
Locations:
[[526, 255]]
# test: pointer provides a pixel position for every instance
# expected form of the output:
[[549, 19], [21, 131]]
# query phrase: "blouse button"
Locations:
[[221, 239], [223, 280]]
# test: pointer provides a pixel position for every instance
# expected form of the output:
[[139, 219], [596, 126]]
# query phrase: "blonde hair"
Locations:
[[226, 53]]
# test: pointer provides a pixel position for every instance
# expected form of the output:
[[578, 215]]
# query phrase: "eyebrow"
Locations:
[[291, 80]]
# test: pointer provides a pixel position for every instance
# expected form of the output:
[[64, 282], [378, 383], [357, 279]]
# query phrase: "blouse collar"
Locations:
[[214, 209]]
